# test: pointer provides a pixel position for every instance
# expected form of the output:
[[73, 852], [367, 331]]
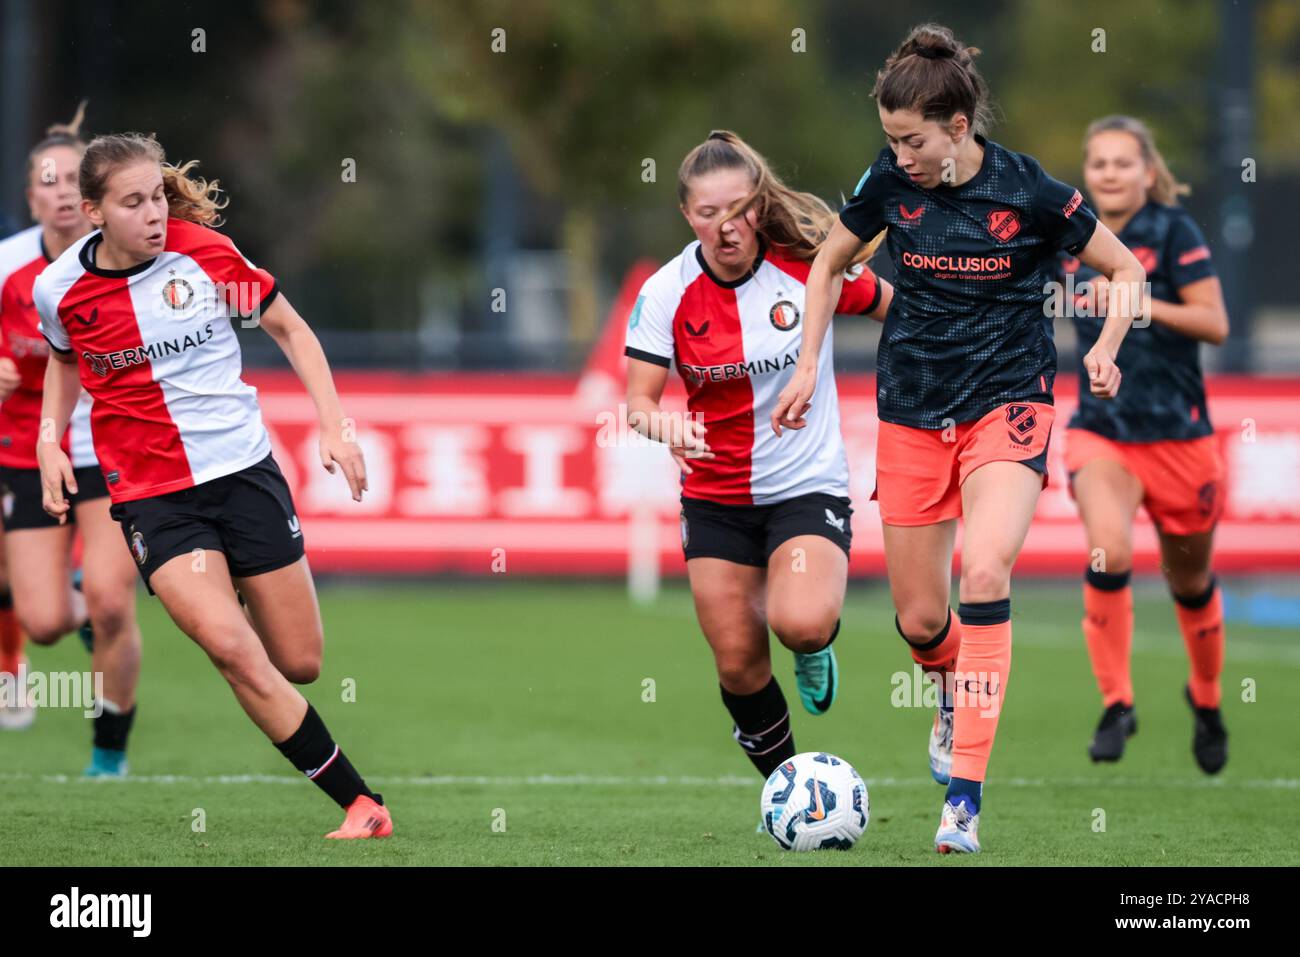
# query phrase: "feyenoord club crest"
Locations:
[[1022, 420], [784, 315], [1003, 224], [138, 548], [177, 294]]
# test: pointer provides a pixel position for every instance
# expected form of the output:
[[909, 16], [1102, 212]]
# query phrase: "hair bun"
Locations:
[[936, 52]]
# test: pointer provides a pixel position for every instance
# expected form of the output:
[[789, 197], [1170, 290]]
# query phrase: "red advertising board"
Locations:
[[536, 474]]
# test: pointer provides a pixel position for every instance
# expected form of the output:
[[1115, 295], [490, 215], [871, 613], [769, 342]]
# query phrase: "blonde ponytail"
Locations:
[[192, 198], [60, 134]]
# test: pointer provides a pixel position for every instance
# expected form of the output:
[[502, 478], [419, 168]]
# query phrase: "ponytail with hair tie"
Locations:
[[60, 134], [72, 128], [796, 221]]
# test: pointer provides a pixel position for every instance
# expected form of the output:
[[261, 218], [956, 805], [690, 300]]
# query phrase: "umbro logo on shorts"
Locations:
[[832, 519]]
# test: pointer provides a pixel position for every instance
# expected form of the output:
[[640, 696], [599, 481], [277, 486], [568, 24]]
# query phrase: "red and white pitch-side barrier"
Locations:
[[524, 473]]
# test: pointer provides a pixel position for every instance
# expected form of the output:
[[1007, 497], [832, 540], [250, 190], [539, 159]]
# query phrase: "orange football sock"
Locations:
[[1201, 620], [937, 656], [983, 666], [1108, 630]]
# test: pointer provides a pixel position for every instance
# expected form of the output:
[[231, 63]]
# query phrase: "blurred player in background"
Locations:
[[1153, 446], [765, 524], [38, 549], [964, 378], [143, 308]]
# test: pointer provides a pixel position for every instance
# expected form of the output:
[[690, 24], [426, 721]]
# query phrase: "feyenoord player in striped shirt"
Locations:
[[1154, 445], [142, 309], [765, 523], [964, 376], [38, 549]]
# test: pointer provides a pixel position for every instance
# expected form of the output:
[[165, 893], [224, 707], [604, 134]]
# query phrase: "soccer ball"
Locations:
[[815, 801]]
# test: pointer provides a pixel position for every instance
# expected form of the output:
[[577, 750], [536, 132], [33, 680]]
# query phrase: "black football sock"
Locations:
[[112, 726], [313, 752], [762, 726]]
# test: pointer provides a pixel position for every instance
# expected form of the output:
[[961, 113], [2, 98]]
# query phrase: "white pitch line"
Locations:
[[585, 780]]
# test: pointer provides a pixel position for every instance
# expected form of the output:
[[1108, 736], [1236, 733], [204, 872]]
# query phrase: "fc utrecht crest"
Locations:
[[1021, 418], [1003, 224]]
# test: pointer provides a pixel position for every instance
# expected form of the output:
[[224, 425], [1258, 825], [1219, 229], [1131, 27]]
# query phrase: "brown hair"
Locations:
[[192, 199], [800, 222], [1166, 189], [59, 134], [934, 74]]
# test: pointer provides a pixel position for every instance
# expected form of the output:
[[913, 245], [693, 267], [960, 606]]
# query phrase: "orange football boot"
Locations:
[[366, 817]]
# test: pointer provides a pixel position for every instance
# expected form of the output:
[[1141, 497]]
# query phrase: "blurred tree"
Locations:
[[364, 193], [583, 94], [1277, 39], [1157, 64], [587, 92]]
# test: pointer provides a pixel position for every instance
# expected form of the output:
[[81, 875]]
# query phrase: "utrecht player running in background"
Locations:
[[765, 523], [1153, 446], [964, 380], [142, 308], [38, 549]]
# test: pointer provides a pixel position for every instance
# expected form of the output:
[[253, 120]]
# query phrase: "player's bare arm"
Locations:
[[1201, 315], [683, 435], [62, 386], [1116, 262], [824, 284], [338, 444]]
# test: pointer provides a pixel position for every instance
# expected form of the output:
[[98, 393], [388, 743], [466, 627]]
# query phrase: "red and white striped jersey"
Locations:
[[160, 358], [22, 258], [736, 344]]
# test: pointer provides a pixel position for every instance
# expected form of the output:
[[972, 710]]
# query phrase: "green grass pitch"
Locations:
[[505, 723]]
